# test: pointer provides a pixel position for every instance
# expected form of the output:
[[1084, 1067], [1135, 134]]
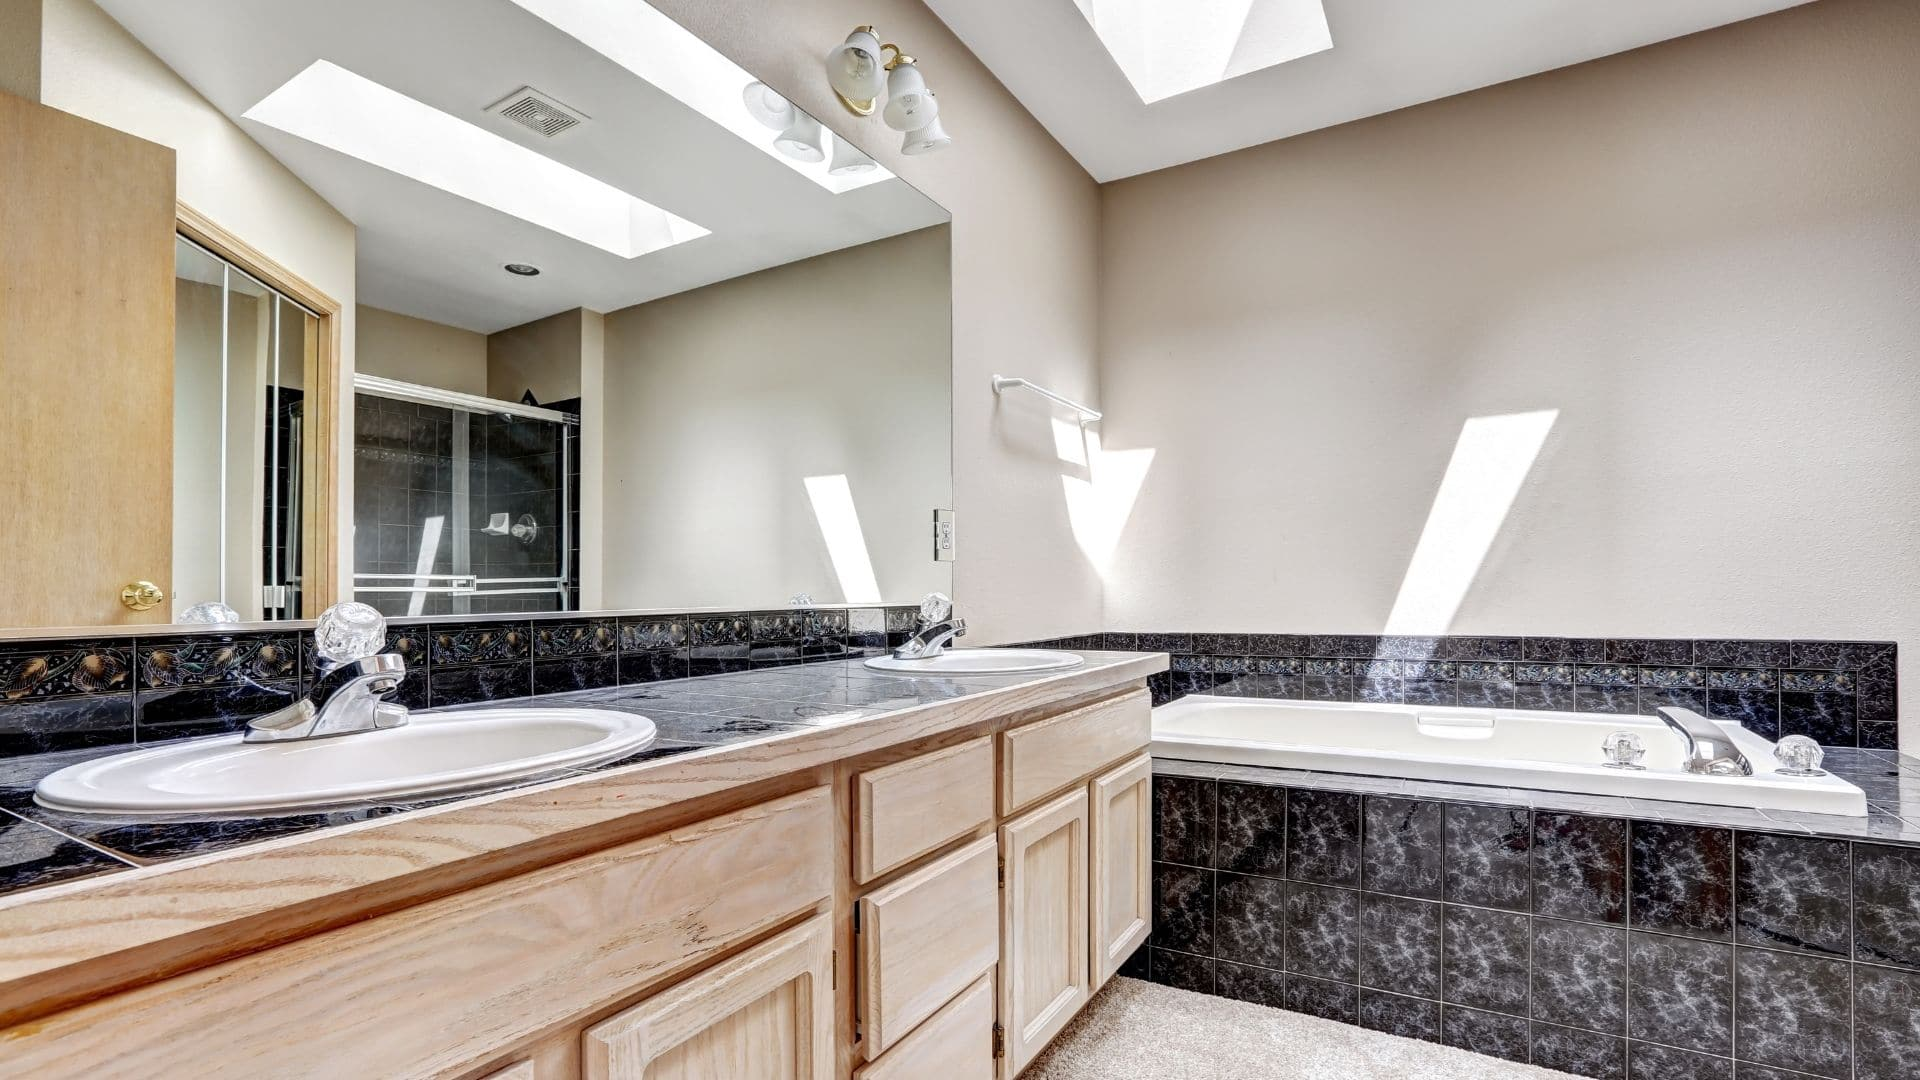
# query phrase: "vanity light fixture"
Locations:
[[522, 269], [857, 74], [801, 136]]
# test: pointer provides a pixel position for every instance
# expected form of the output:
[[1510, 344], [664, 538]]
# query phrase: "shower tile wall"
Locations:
[[403, 478], [515, 469], [1841, 693], [1610, 947]]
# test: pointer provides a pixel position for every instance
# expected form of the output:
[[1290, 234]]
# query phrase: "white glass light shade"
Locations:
[[926, 140], [767, 106], [854, 69], [802, 141], [848, 159], [910, 105]]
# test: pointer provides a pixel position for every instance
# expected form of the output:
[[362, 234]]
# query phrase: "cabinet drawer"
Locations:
[[924, 938], [1044, 757], [957, 1044], [904, 810], [442, 985]]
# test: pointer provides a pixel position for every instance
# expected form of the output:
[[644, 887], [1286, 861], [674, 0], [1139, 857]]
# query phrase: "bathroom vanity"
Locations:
[[933, 889]]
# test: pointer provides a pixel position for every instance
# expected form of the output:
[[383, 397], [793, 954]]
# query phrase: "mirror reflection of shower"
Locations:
[[462, 504]]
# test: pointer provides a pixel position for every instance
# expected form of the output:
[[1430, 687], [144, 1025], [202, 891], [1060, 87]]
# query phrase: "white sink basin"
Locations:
[[433, 754], [979, 662]]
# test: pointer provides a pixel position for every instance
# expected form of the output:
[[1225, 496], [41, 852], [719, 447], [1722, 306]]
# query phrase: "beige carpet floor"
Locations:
[[1140, 1031]]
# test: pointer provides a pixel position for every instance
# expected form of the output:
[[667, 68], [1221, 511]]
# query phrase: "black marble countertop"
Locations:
[[1890, 779], [40, 847]]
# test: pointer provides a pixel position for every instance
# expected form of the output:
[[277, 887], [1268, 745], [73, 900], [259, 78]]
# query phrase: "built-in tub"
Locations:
[[1551, 751]]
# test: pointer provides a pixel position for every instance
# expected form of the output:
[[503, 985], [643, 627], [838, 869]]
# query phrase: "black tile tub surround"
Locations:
[[1608, 946], [65, 694], [1842, 693]]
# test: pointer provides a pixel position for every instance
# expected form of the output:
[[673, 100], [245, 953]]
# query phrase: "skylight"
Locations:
[[335, 108], [667, 55], [1168, 47]]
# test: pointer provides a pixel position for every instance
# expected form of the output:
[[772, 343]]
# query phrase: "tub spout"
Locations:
[[1709, 750]]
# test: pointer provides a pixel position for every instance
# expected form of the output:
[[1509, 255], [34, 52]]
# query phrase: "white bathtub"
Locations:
[[1551, 751]]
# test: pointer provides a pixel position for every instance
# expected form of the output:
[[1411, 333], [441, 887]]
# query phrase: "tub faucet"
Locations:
[[355, 679], [937, 627], [1709, 751]]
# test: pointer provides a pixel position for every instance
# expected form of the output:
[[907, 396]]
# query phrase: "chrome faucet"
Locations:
[[354, 681], [937, 627], [1709, 751]]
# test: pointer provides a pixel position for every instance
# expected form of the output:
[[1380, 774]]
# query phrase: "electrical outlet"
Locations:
[[943, 536]]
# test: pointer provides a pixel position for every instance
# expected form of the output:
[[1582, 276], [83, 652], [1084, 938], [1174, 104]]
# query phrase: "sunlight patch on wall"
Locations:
[[1099, 506], [832, 499], [1490, 462]]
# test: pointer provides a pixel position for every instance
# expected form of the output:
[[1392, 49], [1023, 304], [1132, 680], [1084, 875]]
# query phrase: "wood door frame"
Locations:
[[320, 441]]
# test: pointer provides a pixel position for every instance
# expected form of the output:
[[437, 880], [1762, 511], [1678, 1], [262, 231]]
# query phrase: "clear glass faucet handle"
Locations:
[[1624, 750], [935, 608], [349, 631], [1799, 756]]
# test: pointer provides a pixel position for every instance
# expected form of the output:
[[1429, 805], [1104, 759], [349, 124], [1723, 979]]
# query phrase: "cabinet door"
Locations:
[[767, 1013], [1043, 965], [1121, 910]]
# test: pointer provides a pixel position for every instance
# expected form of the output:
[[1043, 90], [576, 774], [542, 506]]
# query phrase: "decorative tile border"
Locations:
[[1609, 947], [1841, 693], [107, 690]]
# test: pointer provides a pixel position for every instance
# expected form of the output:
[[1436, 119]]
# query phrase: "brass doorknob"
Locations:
[[142, 595]]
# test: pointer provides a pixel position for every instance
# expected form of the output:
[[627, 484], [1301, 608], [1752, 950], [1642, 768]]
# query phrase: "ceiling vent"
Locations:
[[534, 110]]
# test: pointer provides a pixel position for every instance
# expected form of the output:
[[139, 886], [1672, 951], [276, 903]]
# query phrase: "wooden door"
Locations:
[[767, 1014], [1043, 960], [86, 366], [1120, 909]]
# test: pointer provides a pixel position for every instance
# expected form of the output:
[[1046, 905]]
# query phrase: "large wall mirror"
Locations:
[[628, 331]]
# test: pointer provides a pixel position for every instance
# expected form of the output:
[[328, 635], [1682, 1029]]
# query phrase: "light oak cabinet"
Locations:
[[767, 1013], [1120, 909], [1043, 946], [924, 938], [956, 1044]]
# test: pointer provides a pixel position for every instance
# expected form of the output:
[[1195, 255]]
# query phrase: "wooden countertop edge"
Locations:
[[68, 942]]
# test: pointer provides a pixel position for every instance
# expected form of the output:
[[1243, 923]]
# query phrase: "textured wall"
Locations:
[[1703, 254]]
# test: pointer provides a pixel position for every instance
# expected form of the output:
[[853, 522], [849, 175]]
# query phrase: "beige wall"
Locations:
[[92, 67], [396, 346], [1701, 253], [542, 356], [720, 403], [1025, 237], [20, 48]]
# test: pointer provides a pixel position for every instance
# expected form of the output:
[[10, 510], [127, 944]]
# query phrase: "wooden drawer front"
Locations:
[[1043, 757], [767, 1014], [924, 938], [446, 984], [957, 1044], [1120, 876], [1043, 971], [904, 810], [520, 1070]]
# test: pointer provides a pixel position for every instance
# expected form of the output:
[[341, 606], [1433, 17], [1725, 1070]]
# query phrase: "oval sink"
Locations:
[[433, 754], [979, 662]]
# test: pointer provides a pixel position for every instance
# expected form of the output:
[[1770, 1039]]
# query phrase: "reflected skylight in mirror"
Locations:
[[669, 56], [1168, 47], [335, 108]]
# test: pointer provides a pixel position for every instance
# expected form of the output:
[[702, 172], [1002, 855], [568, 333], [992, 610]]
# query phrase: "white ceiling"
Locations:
[[1386, 55], [430, 254]]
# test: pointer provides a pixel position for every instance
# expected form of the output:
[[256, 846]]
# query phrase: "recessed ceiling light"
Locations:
[[1168, 47], [669, 56], [335, 108], [523, 269]]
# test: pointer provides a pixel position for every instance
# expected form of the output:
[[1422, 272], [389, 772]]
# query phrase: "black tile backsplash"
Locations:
[[1841, 693], [1609, 947], [72, 694]]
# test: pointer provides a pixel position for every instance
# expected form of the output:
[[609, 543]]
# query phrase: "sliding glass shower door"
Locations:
[[462, 504]]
